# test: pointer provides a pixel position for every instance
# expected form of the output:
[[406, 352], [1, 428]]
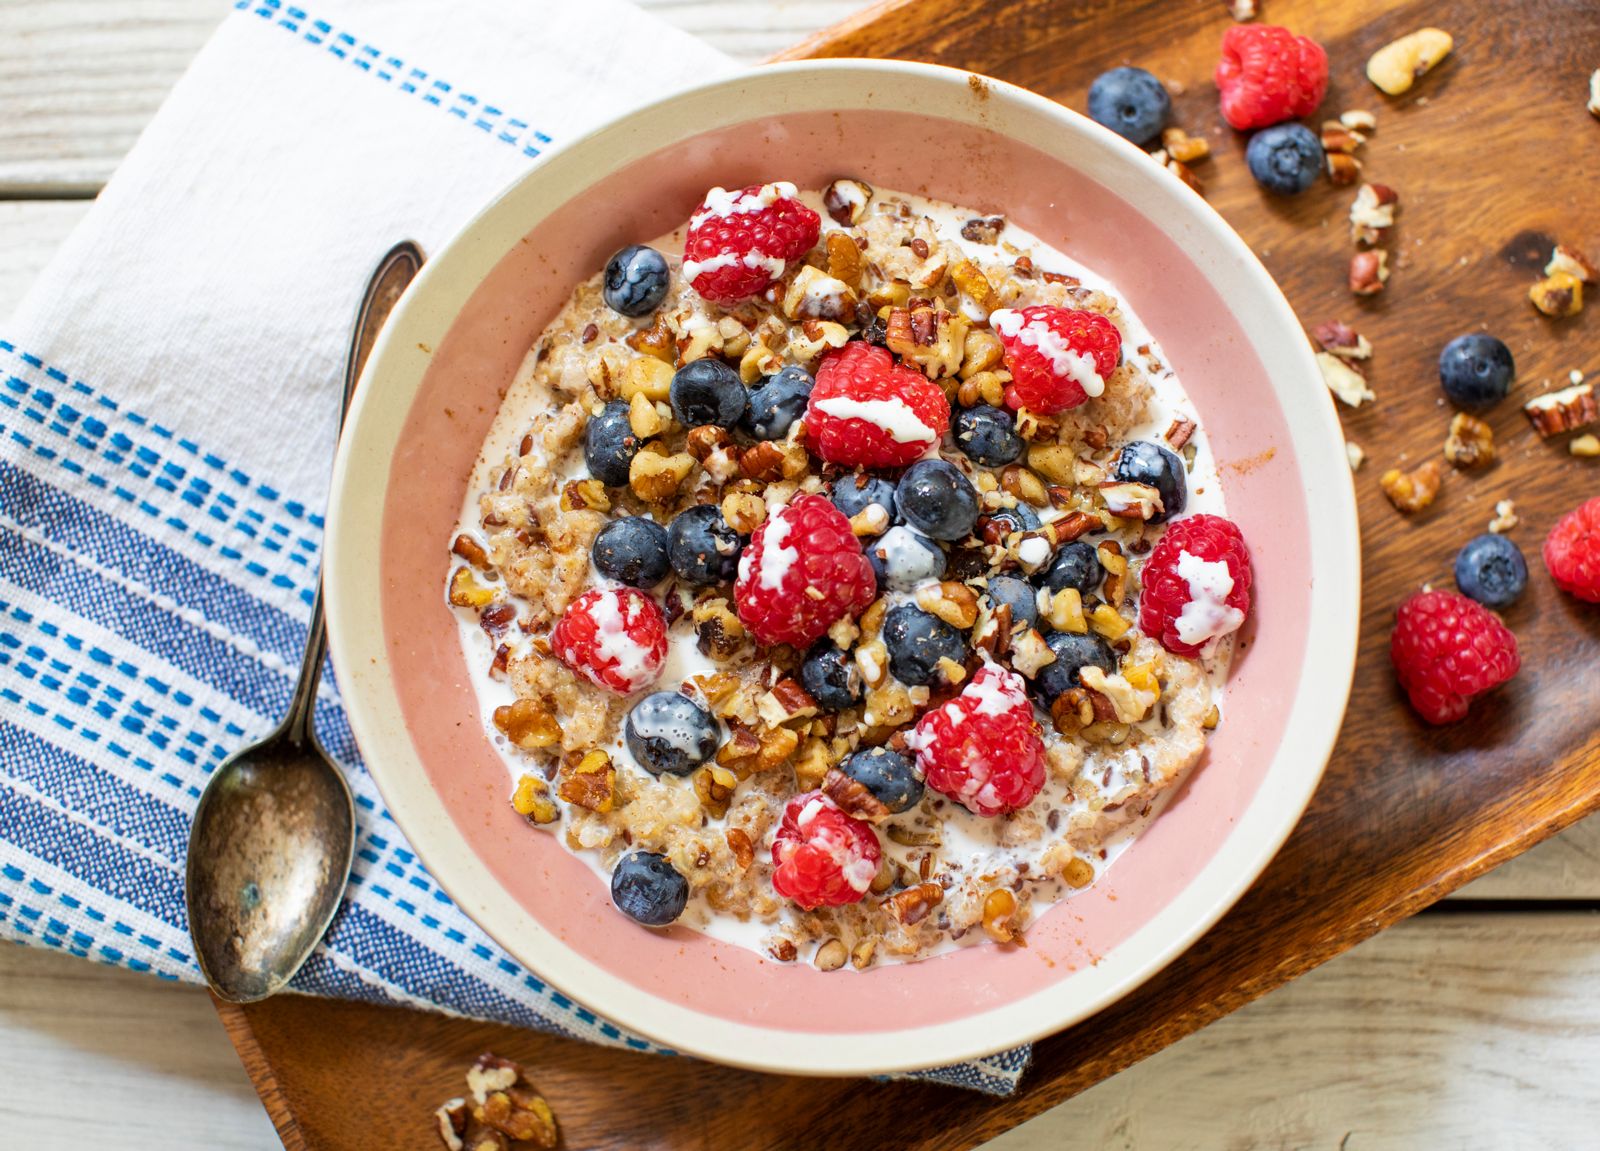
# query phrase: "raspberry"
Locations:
[[1446, 649], [1572, 552], [867, 410], [616, 638], [1268, 75], [739, 243], [1196, 585], [801, 572], [1058, 358], [822, 857], [982, 748]]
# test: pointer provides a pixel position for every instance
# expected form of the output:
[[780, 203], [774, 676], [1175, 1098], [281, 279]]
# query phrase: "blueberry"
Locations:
[[1131, 102], [853, 494], [702, 547], [903, 557], [891, 777], [648, 889], [668, 732], [1018, 595], [1476, 370], [707, 392], [917, 642], [1073, 653], [635, 281], [633, 550], [778, 403], [987, 435], [1077, 565], [609, 444], [936, 499], [830, 676], [1143, 462], [1491, 570], [1285, 158]]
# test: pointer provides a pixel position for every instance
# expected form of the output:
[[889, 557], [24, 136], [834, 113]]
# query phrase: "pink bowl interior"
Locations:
[[462, 391]]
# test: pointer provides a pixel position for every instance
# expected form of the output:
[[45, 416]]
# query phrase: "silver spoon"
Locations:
[[269, 853]]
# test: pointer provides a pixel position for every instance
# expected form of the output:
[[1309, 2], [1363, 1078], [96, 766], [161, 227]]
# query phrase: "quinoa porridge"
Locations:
[[846, 576]]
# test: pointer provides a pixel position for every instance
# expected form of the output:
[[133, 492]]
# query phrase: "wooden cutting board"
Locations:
[[1495, 159]]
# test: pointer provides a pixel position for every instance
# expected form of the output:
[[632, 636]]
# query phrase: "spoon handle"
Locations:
[[397, 269]]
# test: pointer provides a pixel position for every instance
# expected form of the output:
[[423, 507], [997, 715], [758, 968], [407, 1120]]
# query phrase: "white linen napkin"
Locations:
[[167, 422]]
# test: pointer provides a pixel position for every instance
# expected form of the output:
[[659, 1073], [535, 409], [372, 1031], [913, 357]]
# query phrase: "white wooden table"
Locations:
[[1474, 1025]]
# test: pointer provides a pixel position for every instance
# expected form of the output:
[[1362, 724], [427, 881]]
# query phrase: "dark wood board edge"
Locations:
[[236, 1022]]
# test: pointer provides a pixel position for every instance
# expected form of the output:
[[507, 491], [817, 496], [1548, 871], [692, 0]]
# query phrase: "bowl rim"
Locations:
[[359, 657]]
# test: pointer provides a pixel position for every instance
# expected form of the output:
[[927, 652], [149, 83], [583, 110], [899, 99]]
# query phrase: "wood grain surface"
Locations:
[[1493, 157]]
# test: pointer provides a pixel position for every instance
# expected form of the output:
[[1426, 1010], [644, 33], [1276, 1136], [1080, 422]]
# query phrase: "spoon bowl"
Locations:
[[274, 832]]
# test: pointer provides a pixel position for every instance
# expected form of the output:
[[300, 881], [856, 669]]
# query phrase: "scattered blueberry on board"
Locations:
[[1476, 370], [987, 435], [701, 547], [853, 494], [632, 550], [1073, 653], [917, 641], [778, 403], [1016, 594], [830, 677], [1285, 158], [1491, 570], [635, 281], [890, 776], [1131, 102], [609, 444], [648, 889], [707, 391], [1077, 565], [668, 732], [936, 499], [1144, 462], [903, 557]]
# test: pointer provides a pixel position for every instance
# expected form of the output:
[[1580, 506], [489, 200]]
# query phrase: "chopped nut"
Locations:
[[1505, 517], [871, 520], [759, 360], [815, 295], [1372, 213], [1064, 611], [1343, 169], [1340, 339], [656, 341], [974, 285], [472, 551], [831, 955], [1369, 272], [787, 702], [1177, 168], [528, 724], [531, 800], [1131, 702], [743, 849], [649, 377], [1184, 148], [844, 259], [983, 230], [585, 495], [813, 761], [452, 1123], [1000, 916], [783, 950], [1241, 10], [1355, 454], [590, 783], [862, 955], [750, 751], [928, 336], [1337, 138], [744, 511], [656, 478], [1359, 120], [1130, 500], [912, 905], [955, 603], [1107, 622], [1036, 427], [714, 785], [1344, 381], [1412, 491], [1556, 412], [1571, 261], [1030, 653], [1057, 463], [1025, 485], [1115, 588], [888, 704], [852, 797], [721, 636], [466, 591], [846, 201], [981, 351], [1594, 94], [1585, 446], [1399, 64], [1558, 295], [704, 441], [872, 660], [1470, 443]]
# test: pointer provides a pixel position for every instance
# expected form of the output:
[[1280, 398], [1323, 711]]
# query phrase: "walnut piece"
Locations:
[[590, 783], [928, 336], [505, 1109], [1470, 443], [1344, 381], [1412, 491], [1558, 295], [1505, 517]]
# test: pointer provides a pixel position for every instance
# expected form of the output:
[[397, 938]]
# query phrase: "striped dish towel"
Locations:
[[167, 422]]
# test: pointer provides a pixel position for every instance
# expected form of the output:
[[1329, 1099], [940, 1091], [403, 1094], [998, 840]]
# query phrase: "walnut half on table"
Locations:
[[504, 1111]]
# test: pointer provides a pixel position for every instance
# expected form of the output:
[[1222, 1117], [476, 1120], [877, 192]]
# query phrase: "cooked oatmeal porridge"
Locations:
[[846, 576]]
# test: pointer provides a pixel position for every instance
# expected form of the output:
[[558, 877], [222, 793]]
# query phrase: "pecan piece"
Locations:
[[912, 905], [1567, 410]]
